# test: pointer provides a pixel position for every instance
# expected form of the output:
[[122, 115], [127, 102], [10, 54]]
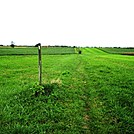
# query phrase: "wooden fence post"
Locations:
[[40, 64]]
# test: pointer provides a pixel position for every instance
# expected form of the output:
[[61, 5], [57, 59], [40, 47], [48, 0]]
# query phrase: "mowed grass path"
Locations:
[[111, 90], [94, 94]]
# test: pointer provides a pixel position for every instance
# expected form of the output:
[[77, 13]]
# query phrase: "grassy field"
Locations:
[[84, 93]]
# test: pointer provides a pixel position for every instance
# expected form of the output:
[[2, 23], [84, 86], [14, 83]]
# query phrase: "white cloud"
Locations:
[[69, 22]]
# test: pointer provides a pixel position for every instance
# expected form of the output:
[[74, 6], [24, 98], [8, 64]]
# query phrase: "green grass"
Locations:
[[87, 93], [34, 50]]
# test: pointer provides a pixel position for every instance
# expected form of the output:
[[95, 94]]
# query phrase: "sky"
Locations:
[[100, 23]]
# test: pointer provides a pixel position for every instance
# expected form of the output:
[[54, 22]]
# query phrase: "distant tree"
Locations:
[[12, 44]]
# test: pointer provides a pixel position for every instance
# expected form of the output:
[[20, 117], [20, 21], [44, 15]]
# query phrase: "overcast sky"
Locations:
[[67, 22]]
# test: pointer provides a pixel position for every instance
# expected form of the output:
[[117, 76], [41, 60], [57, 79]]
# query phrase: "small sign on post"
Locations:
[[40, 63]]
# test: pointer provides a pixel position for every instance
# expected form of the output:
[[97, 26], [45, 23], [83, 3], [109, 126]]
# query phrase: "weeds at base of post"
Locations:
[[44, 89]]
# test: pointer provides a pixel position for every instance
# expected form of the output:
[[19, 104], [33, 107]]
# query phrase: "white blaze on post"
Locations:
[[40, 63]]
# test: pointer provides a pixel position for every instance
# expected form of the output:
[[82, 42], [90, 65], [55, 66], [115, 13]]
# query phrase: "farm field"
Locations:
[[84, 93], [123, 51], [34, 50]]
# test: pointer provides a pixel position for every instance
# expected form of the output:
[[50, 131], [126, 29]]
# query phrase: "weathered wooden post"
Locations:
[[40, 63]]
